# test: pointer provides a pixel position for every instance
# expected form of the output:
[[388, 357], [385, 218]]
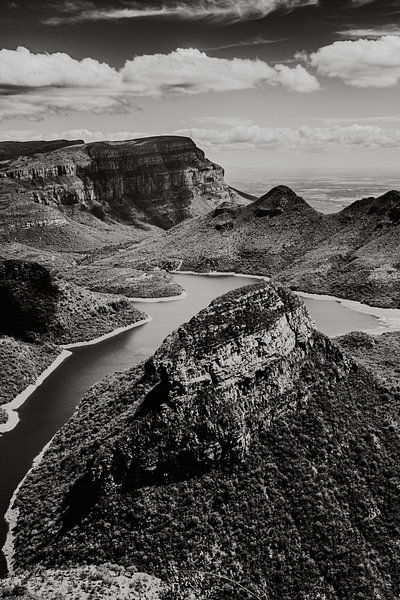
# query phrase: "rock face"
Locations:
[[160, 180], [352, 254], [249, 446]]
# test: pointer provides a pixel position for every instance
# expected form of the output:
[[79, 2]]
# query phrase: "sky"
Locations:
[[291, 85]]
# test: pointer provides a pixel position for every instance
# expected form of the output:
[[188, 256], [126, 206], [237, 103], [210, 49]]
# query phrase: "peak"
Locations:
[[279, 200], [253, 310], [280, 191], [391, 196], [387, 205]]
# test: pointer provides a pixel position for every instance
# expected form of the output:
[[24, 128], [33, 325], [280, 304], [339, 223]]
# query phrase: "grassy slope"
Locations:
[[380, 354], [353, 254]]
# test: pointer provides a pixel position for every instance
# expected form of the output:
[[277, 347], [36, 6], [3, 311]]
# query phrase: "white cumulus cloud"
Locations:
[[21, 67], [192, 71], [34, 85], [361, 63]]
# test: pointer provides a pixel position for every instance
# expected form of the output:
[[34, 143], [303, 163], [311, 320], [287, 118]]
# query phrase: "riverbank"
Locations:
[[161, 299], [389, 318], [12, 407], [11, 516]]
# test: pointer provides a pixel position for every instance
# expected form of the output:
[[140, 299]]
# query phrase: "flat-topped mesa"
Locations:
[[12, 150], [278, 201], [159, 180]]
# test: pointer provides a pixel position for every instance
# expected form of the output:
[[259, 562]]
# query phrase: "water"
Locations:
[[328, 193], [54, 402]]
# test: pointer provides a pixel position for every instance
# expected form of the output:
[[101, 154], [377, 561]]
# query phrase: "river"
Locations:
[[55, 400]]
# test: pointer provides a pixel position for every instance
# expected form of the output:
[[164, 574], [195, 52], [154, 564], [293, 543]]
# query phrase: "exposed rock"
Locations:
[[249, 446], [105, 582], [161, 180], [12, 150]]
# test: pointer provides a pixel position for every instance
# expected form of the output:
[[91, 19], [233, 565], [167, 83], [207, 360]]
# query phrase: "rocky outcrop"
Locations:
[[353, 254], [161, 181], [106, 582], [249, 445]]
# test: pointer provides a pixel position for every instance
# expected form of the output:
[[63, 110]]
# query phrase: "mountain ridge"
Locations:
[[353, 254]]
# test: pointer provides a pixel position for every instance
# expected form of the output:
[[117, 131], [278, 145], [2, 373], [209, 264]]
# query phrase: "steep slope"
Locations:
[[58, 229], [249, 448], [353, 254], [379, 353], [36, 306], [160, 180]]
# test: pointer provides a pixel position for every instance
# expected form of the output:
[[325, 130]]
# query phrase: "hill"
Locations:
[[353, 254], [250, 450]]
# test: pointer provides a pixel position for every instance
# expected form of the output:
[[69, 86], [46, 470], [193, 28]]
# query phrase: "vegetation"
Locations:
[[353, 254], [130, 282], [21, 365], [380, 354], [281, 485], [28, 299]]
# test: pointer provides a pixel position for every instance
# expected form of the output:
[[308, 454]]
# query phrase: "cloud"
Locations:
[[193, 72], [25, 135], [362, 63], [21, 67], [321, 138], [36, 105], [370, 33], [225, 11], [246, 137], [34, 85]]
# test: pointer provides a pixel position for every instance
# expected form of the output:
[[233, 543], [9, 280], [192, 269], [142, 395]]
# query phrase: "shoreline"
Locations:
[[161, 299], [388, 318], [12, 407], [106, 336], [11, 516]]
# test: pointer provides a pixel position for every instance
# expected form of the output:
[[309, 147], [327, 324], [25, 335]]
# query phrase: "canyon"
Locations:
[[246, 424], [249, 444]]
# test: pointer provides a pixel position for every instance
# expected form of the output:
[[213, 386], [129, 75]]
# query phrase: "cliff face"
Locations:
[[249, 446], [352, 254], [160, 181]]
